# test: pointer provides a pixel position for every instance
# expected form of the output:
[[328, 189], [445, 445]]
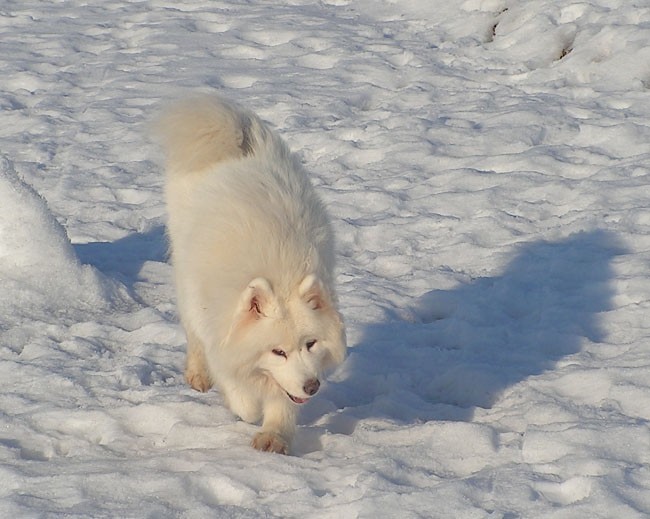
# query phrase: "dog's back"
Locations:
[[239, 204]]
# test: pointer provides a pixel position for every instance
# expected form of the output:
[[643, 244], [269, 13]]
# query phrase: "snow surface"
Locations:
[[486, 163]]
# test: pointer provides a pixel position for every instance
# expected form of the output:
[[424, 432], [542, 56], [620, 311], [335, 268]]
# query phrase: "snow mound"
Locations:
[[39, 269]]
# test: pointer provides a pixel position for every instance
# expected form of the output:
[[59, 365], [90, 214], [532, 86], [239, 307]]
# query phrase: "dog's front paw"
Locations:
[[198, 380], [270, 442]]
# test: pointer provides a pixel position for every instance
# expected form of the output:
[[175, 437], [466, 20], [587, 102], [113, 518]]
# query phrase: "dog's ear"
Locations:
[[258, 300], [312, 292]]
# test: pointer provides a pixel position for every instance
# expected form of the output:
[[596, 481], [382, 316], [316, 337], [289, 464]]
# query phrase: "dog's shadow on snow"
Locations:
[[462, 348], [124, 258]]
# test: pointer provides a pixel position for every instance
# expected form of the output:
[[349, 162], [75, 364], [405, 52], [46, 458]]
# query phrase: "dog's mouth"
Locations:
[[297, 400]]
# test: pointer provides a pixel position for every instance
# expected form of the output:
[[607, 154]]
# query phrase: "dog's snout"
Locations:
[[311, 386]]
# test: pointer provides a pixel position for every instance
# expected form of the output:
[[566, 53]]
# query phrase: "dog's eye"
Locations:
[[310, 344], [279, 353]]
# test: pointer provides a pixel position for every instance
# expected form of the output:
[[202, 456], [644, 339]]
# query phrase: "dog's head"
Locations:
[[296, 339]]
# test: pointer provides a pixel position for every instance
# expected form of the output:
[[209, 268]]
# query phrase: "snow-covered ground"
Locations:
[[486, 163]]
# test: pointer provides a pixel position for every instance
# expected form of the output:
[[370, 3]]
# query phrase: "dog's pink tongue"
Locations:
[[298, 400]]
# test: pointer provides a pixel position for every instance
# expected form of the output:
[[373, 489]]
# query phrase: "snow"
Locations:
[[486, 166]]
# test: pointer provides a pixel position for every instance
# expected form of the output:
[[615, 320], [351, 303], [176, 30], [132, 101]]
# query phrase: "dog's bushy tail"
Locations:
[[202, 131]]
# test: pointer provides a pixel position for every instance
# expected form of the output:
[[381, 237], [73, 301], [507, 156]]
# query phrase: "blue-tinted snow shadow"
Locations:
[[465, 346], [123, 259]]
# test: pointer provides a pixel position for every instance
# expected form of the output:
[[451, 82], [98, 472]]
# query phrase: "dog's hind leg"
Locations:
[[196, 370]]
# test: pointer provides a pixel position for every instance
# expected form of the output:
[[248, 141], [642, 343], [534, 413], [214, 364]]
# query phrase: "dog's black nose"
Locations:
[[311, 386]]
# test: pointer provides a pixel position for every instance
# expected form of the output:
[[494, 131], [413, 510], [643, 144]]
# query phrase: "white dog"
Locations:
[[252, 250]]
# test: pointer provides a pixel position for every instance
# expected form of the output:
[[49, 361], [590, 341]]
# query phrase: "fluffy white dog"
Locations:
[[253, 256]]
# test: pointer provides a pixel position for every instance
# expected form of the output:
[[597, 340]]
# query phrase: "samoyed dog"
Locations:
[[253, 256]]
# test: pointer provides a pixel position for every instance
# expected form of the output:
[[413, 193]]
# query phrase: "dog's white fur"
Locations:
[[252, 250]]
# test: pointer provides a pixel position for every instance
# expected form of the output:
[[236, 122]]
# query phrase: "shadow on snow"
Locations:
[[123, 259], [465, 346]]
